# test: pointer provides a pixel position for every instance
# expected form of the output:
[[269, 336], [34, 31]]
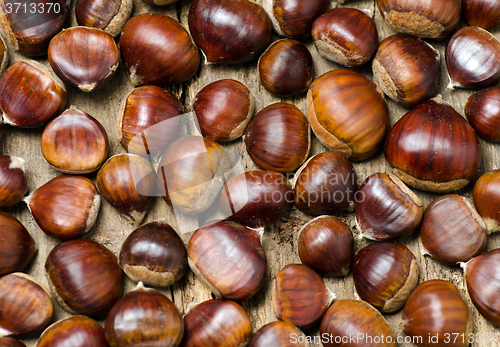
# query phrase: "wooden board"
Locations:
[[280, 240]]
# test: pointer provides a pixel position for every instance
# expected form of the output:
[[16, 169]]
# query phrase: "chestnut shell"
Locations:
[[483, 113], [482, 13], [76, 331], [13, 185], [486, 195], [107, 15]]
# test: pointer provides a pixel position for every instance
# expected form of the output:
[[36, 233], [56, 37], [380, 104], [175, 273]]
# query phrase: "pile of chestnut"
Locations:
[[431, 148]]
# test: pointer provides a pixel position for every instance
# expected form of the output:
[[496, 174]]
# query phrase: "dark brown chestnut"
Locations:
[[229, 31], [171, 57], [326, 245], [256, 198], [433, 148], [66, 207], [84, 277], [223, 109], [348, 114], [346, 36], [84, 58], [279, 334], [285, 68], [74, 142], [13, 184], [106, 15], [215, 323], [10, 342], [76, 331], [483, 113], [154, 254], [229, 258], [486, 195], [325, 184], [278, 138], [386, 208], [46, 99], [434, 313], [144, 317], [452, 231], [482, 13]]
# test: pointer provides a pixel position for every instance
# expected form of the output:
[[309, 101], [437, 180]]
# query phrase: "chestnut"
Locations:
[[348, 318], [46, 99], [13, 184], [66, 207], [486, 195], [217, 28], [384, 275], [472, 58], [278, 334], [299, 296], [326, 245], [170, 58], [229, 258], [74, 142], [215, 323], [160, 2], [285, 68], [29, 26], [435, 311], [482, 13], [348, 114], [106, 15], [154, 254], [191, 172], [387, 208], [84, 277], [427, 19], [26, 305], [128, 183], [325, 184], [278, 138], [483, 113], [433, 148], [76, 331], [256, 198], [10, 342], [346, 36], [144, 317], [452, 231], [84, 58], [4, 55], [223, 109]]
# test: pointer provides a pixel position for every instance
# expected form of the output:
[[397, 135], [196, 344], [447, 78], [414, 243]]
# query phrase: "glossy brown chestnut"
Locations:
[[483, 113], [346, 36], [76, 331], [407, 69], [433, 148], [473, 58], [26, 305], [190, 173], [347, 318], [17, 247], [278, 334], [294, 18], [171, 57], [384, 275], [217, 28], [285, 68], [10, 342], [278, 138], [66, 207], [74, 142], [325, 184], [128, 183], [348, 114], [46, 100], [84, 58], [106, 15], [452, 231], [84, 276], [144, 317], [256, 198], [216, 322], [29, 25], [13, 184], [435, 310], [223, 109], [428, 19], [326, 245], [482, 13], [386, 208], [299, 296], [486, 195], [229, 258], [154, 254]]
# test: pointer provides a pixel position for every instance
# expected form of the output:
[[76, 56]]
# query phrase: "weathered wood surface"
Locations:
[[280, 240]]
